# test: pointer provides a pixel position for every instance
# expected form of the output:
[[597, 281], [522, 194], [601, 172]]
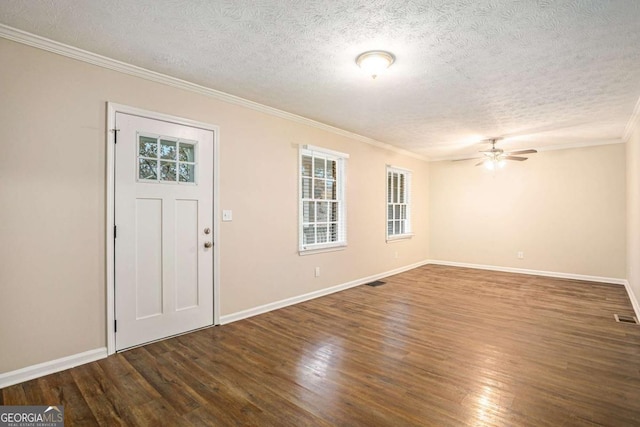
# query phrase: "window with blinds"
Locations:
[[322, 207], [398, 203]]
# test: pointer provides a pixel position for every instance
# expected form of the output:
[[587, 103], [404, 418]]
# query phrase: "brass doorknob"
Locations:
[[208, 244]]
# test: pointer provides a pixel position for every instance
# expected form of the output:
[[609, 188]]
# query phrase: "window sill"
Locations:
[[303, 252], [399, 237]]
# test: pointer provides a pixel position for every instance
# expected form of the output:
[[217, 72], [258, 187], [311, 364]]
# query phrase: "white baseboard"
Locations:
[[311, 295], [35, 371], [559, 275], [632, 297]]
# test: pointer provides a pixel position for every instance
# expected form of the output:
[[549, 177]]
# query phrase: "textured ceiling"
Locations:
[[550, 72]]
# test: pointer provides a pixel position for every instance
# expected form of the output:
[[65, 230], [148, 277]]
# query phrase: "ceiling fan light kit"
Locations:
[[493, 164]]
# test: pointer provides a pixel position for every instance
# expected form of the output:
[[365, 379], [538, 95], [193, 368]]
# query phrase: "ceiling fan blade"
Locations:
[[520, 159], [530, 151], [481, 163], [466, 158]]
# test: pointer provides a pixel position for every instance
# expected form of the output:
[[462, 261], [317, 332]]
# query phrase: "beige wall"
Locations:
[[633, 211], [564, 209], [53, 190]]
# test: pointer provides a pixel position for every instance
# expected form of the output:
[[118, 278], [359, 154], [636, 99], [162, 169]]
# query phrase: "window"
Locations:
[[165, 159], [398, 203], [322, 202]]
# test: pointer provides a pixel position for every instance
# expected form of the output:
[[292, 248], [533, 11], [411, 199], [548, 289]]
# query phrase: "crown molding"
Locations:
[[582, 144], [43, 43], [633, 121]]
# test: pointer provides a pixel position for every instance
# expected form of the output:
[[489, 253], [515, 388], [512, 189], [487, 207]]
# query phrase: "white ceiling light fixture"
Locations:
[[375, 62], [494, 163]]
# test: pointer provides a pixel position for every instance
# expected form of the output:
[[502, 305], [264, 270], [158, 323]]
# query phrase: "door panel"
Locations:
[[186, 248], [148, 281], [163, 204]]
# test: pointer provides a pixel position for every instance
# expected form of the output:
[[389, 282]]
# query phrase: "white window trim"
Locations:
[[408, 234], [341, 162], [399, 237], [325, 151]]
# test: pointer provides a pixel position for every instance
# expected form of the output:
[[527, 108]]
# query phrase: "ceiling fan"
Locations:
[[496, 157]]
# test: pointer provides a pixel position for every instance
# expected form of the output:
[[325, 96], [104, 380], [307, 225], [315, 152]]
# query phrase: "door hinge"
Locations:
[[115, 231], [115, 326], [115, 135]]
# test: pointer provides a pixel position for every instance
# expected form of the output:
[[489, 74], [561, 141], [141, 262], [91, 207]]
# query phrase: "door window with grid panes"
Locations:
[[398, 203], [322, 209], [166, 160]]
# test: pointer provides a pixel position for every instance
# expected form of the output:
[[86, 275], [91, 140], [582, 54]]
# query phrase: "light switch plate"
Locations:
[[227, 215]]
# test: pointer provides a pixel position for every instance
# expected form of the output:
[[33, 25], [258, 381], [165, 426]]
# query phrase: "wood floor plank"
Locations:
[[436, 345], [222, 401], [106, 402], [278, 397], [179, 395], [15, 395], [61, 389], [314, 378]]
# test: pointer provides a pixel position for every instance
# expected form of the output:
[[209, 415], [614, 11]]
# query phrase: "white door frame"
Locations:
[[112, 109]]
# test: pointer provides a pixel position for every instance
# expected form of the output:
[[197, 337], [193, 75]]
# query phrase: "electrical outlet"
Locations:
[[395, 255], [520, 255], [317, 272]]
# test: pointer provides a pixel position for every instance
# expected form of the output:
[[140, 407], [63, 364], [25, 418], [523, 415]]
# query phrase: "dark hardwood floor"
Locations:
[[435, 346]]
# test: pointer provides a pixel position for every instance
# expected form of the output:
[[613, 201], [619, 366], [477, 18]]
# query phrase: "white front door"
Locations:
[[164, 229]]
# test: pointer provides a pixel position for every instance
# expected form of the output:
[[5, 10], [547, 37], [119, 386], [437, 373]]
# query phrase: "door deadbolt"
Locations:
[[207, 230], [208, 244]]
